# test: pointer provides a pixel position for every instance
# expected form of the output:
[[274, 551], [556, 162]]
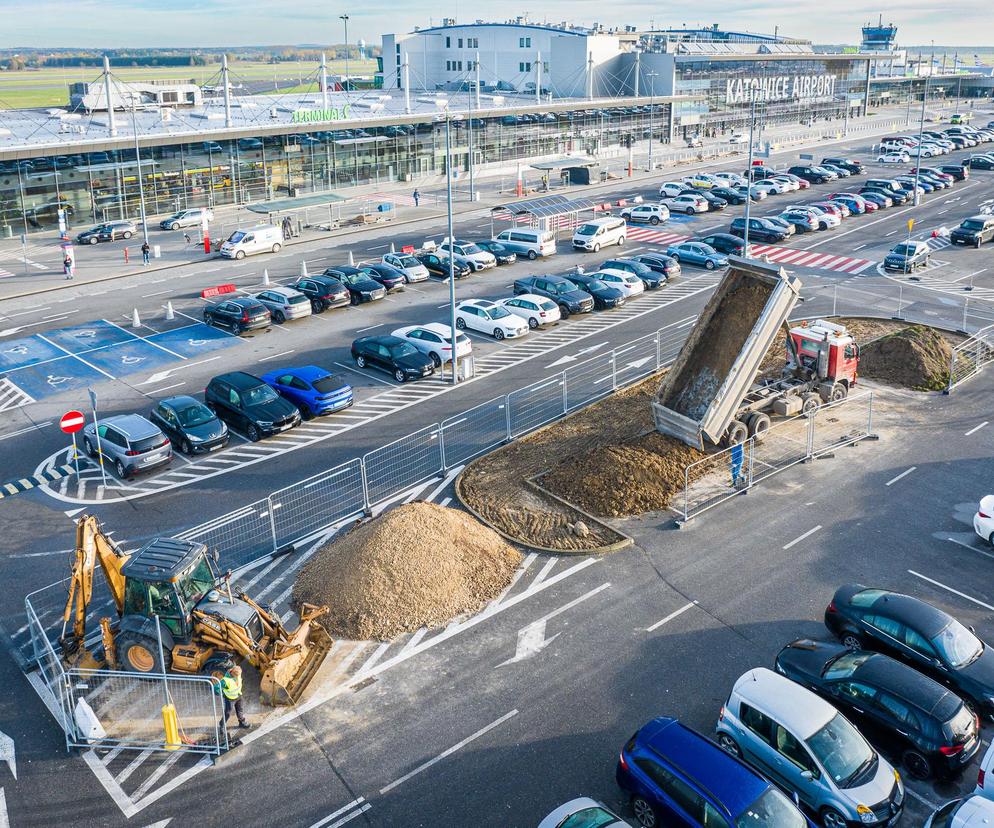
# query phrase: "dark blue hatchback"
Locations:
[[313, 390], [678, 778]]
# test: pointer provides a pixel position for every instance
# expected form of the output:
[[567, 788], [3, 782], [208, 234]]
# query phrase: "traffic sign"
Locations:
[[72, 421]]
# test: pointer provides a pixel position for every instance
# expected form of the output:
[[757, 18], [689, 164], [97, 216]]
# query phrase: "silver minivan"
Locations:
[[129, 442], [803, 744], [528, 242], [601, 232]]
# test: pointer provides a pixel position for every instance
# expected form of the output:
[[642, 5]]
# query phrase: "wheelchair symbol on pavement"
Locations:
[[197, 342], [130, 360], [17, 349], [87, 334], [54, 380]]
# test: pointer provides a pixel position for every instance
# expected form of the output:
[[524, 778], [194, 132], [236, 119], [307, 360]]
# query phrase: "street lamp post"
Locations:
[[345, 19], [138, 161], [921, 132], [652, 95], [451, 252], [745, 229]]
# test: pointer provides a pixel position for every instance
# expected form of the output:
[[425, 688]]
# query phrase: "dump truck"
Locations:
[[176, 612], [711, 395]]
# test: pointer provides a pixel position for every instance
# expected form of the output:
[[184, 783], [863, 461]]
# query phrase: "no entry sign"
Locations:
[[72, 421]]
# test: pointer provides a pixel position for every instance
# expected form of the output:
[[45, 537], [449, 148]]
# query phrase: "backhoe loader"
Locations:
[[171, 589]]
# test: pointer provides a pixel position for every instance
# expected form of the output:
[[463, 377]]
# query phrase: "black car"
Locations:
[[650, 278], [896, 196], [191, 426], [560, 290], [959, 141], [812, 173], [980, 162], [960, 172], [973, 231], [760, 230], [360, 286], [759, 173], [728, 194], [438, 264], [605, 296], [393, 355], [241, 314], [933, 729], [851, 164], [725, 243], [918, 633], [715, 203], [246, 402], [108, 231], [877, 198], [323, 291], [659, 263], [387, 275], [500, 253]]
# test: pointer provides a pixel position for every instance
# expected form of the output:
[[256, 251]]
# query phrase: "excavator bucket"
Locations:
[[296, 660]]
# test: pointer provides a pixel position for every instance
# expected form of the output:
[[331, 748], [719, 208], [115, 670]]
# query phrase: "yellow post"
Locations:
[[171, 724]]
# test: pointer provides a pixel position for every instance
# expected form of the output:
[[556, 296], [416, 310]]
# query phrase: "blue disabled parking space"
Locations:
[[29, 350], [55, 376], [128, 358], [192, 340], [98, 334]]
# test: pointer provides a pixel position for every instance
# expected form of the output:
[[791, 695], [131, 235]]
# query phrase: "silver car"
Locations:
[[408, 264], [129, 442], [193, 217], [476, 257], [803, 744], [285, 303]]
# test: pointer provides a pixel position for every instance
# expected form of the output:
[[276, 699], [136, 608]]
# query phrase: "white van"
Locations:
[[602, 232], [528, 242], [264, 238]]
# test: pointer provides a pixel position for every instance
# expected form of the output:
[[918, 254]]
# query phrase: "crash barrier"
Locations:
[[970, 356], [735, 470]]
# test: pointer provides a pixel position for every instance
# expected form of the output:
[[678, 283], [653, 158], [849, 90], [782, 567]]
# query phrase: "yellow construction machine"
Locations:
[[170, 589]]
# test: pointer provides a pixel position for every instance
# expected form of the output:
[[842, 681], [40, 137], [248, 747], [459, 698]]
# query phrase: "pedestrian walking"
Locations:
[[417, 198], [231, 688], [68, 266], [145, 251], [186, 238]]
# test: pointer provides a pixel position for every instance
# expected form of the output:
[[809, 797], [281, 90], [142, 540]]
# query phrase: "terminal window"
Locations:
[[524, 42]]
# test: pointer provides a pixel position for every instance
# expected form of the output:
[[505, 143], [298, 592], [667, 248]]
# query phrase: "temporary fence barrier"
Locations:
[[970, 357]]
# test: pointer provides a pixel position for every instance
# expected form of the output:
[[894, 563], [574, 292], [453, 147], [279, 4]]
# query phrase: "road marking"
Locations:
[[360, 330], [444, 754], [965, 546], [932, 805], [355, 803], [155, 391], [671, 616], [363, 374], [161, 375], [157, 293], [858, 247], [4, 819], [276, 356], [798, 539], [975, 429], [902, 474], [29, 428], [976, 601]]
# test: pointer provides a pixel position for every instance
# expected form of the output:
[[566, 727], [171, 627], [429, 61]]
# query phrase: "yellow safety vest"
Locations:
[[231, 687]]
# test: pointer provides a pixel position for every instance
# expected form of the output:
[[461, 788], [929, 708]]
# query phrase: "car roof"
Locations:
[[134, 426], [283, 291], [795, 707], [305, 372], [239, 379], [915, 688], [731, 781], [180, 401], [244, 301], [927, 620], [479, 303]]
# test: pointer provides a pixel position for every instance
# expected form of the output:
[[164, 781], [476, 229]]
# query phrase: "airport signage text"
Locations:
[[308, 116], [779, 88]]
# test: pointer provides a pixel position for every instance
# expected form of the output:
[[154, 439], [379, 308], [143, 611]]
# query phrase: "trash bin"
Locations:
[[8, 231], [157, 251]]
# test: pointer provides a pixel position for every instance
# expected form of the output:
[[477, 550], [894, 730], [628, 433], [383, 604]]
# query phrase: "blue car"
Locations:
[[698, 253], [678, 778], [854, 205], [315, 391]]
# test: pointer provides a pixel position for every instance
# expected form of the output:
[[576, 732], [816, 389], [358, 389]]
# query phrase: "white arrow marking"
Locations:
[[562, 361], [581, 352], [7, 753], [4, 820], [161, 375], [638, 363]]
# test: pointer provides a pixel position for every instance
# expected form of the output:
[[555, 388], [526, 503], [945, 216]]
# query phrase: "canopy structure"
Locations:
[[565, 162], [286, 205], [549, 212]]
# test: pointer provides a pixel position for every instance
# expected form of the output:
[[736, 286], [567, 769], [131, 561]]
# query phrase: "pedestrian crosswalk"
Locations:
[[938, 242], [652, 236], [11, 396], [4, 273]]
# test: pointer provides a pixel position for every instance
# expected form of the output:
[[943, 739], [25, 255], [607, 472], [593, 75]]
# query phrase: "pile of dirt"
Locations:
[[916, 357], [418, 565]]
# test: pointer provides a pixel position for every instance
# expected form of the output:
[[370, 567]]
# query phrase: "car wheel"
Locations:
[[316, 306], [852, 641], [305, 412], [729, 745], [532, 255], [276, 248], [252, 432], [916, 764], [360, 361], [691, 211], [978, 243], [128, 234], [461, 323], [353, 299], [831, 818], [597, 248], [990, 540], [621, 241], [119, 468], [236, 328], [532, 322], [645, 814], [278, 317], [92, 240], [498, 334], [185, 447], [654, 220], [88, 448], [398, 375], [174, 226], [563, 312], [709, 264], [436, 359]]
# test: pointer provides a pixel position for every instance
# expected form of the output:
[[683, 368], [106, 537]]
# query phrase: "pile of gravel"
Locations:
[[917, 357]]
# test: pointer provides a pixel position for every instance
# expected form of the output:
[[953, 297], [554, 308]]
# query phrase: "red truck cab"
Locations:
[[828, 349]]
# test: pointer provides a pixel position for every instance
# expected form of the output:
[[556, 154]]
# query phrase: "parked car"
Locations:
[[677, 777], [650, 278], [753, 194], [854, 166], [969, 812], [583, 812], [194, 217], [387, 275], [983, 520], [361, 287], [108, 231], [728, 194], [671, 189], [908, 256], [876, 198], [504, 255], [477, 258], [770, 186], [701, 181], [714, 202], [731, 179], [802, 220], [563, 292], [129, 443], [935, 175], [628, 283], [409, 265], [980, 162], [393, 355], [435, 340], [600, 232], [313, 390], [929, 726], [438, 265], [284, 303], [895, 196], [659, 263], [246, 402], [646, 213], [490, 318], [724, 243], [812, 173], [605, 296], [738, 138], [688, 203], [760, 230], [781, 223], [961, 172], [189, 424], [528, 242], [693, 252], [537, 311], [244, 313], [914, 631], [854, 203], [804, 744], [324, 292], [790, 184]]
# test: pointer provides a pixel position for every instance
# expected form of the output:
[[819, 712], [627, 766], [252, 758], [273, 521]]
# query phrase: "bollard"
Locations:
[[265, 276], [351, 259], [125, 255], [170, 313], [135, 319], [393, 248], [207, 244], [170, 724], [303, 268]]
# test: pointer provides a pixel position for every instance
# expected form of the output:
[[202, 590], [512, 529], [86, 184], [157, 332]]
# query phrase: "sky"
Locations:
[[213, 23]]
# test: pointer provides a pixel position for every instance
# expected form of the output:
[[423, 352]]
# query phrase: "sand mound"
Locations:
[[418, 565], [917, 357]]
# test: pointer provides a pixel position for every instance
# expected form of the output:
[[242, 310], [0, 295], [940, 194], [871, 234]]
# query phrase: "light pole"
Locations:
[[138, 161], [451, 253], [921, 131], [345, 19], [652, 95], [745, 228]]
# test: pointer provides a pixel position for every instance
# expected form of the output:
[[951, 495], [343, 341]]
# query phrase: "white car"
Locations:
[[689, 204], [412, 269], [757, 194], [928, 150], [790, 186], [770, 186], [671, 189], [285, 303], [730, 179], [969, 812], [893, 158], [702, 181], [476, 257], [983, 521], [824, 219], [738, 138], [583, 812], [626, 282], [536, 310], [648, 213], [435, 339], [489, 318]]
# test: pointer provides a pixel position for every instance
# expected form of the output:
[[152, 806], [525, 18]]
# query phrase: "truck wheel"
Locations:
[[737, 433], [810, 403], [140, 654], [759, 424], [839, 392]]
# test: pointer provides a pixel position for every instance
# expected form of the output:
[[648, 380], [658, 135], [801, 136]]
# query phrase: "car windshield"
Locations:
[[299, 299], [409, 261], [903, 249], [547, 304], [402, 350], [194, 415], [841, 751], [771, 810], [595, 284], [236, 237], [352, 278], [470, 249], [958, 646], [327, 384], [561, 289], [970, 224], [592, 817], [845, 665], [260, 394], [587, 230]]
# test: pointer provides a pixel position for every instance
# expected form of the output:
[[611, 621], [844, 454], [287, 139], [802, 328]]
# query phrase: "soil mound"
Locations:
[[916, 357], [418, 565]]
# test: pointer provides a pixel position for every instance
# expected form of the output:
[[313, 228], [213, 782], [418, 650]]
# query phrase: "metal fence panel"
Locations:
[[786, 443], [473, 432], [970, 356], [589, 380], [318, 501], [49, 664], [240, 536], [635, 360], [537, 404], [403, 463], [716, 478], [842, 423]]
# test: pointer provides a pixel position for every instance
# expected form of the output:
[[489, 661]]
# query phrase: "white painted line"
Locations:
[[976, 601], [902, 474], [446, 501], [155, 391], [671, 616], [156, 775], [421, 768], [26, 430], [277, 356], [353, 804], [975, 429], [858, 247], [971, 548], [363, 374], [798, 539], [545, 571], [934, 806], [114, 790], [371, 327], [453, 473], [157, 293], [370, 662], [171, 785], [4, 819]]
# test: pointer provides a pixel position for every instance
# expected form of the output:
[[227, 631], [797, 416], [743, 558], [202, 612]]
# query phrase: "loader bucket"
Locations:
[[296, 660]]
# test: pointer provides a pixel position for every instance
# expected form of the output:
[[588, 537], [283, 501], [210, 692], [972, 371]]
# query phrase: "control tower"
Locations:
[[879, 38]]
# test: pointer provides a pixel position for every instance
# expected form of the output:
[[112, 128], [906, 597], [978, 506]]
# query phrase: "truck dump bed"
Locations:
[[718, 363]]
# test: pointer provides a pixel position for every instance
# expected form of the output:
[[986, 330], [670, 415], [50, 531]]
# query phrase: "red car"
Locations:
[[804, 183], [831, 207], [867, 205]]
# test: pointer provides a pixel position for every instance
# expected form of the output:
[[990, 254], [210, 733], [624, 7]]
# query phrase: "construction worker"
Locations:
[[231, 688]]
